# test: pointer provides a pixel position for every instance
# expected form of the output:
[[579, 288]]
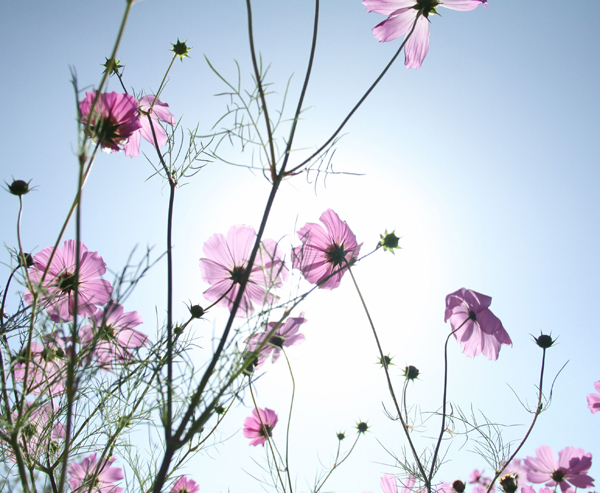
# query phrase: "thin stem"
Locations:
[[360, 101], [336, 464], [289, 423], [389, 381]]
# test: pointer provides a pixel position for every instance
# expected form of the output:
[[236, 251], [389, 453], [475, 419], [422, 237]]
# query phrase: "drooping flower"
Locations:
[[474, 325], [594, 399], [112, 120], [226, 264], [404, 14], [326, 252], [58, 288], [257, 431], [148, 112], [185, 485], [97, 474], [570, 469], [284, 336], [111, 335]]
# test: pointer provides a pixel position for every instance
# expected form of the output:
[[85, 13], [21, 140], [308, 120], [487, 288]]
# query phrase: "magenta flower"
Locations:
[[474, 325], [325, 252], [402, 16], [113, 120], [95, 476], [284, 336], [58, 288], [185, 485], [594, 399], [148, 112], [570, 470], [226, 263], [112, 335], [260, 432]]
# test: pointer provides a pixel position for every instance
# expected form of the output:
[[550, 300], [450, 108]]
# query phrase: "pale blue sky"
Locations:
[[485, 161]]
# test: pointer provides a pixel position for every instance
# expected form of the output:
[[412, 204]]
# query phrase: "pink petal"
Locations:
[[417, 46]]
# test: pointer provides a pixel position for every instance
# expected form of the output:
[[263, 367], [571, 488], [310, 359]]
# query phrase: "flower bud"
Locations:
[[411, 372], [362, 427], [220, 410], [509, 483], [544, 341], [458, 486], [385, 361], [341, 436], [389, 241], [26, 260], [180, 49], [196, 311], [19, 187]]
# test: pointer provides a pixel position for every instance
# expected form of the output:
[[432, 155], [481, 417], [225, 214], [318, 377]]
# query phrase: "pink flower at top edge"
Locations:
[[253, 428], [570, 469], [325, 252], [284, 336], [114, 119], [158, 112], [388, 483], [475, 326], [530, 489], [402, 16], [57, 291], [101, 474], [594, 399], [112, 335], [185, 485], [225, 264]]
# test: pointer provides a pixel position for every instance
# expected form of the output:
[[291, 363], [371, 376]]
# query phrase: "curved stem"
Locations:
[[390, 386], [360, 102], [289, 423]]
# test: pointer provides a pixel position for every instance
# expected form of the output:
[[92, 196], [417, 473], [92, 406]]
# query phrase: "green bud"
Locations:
[[180, 49]]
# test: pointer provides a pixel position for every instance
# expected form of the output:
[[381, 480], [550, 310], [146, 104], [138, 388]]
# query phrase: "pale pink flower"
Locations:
[[570, 469], [113, 120], [402, 16], [476, 477], [226, 263], [284, 336], [111, 335], [46, 367], [57, 291], [185, 485], [530, 489], [388, 483], [594, 399], [475, 326], [97, 474], [148, 112], [253, 428], [326, 252]]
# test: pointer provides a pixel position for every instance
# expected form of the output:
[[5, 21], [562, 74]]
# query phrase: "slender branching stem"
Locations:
[[289, 423]]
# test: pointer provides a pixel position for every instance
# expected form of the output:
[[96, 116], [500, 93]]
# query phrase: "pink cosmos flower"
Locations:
[[325, 252], [57, 291], [531, 489], [114, 119], [402, 16], [226, 263], [475, 326], [253, 428], [148, 112], [185, 485], [390, 485], [570, 470], [285, 335], [100, 474], [112, 335], [46, 368], [594, 399], [476, 477]]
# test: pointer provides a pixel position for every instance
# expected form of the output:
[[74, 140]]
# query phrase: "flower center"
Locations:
[[66, 282], [426, 7], [106, 332], [472, 316], [237, 274], [277, 341], [336, 254], [267, 431], [558, 476]]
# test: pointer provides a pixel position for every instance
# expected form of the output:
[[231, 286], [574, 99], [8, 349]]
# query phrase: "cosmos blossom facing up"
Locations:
[[225, 266], [326, 252], [99, 473], [284, 336], [476, 328], [569, 471], [112, 120], [260, 433], [148, 112], [404, 14], [594, 399], [59, 285]]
